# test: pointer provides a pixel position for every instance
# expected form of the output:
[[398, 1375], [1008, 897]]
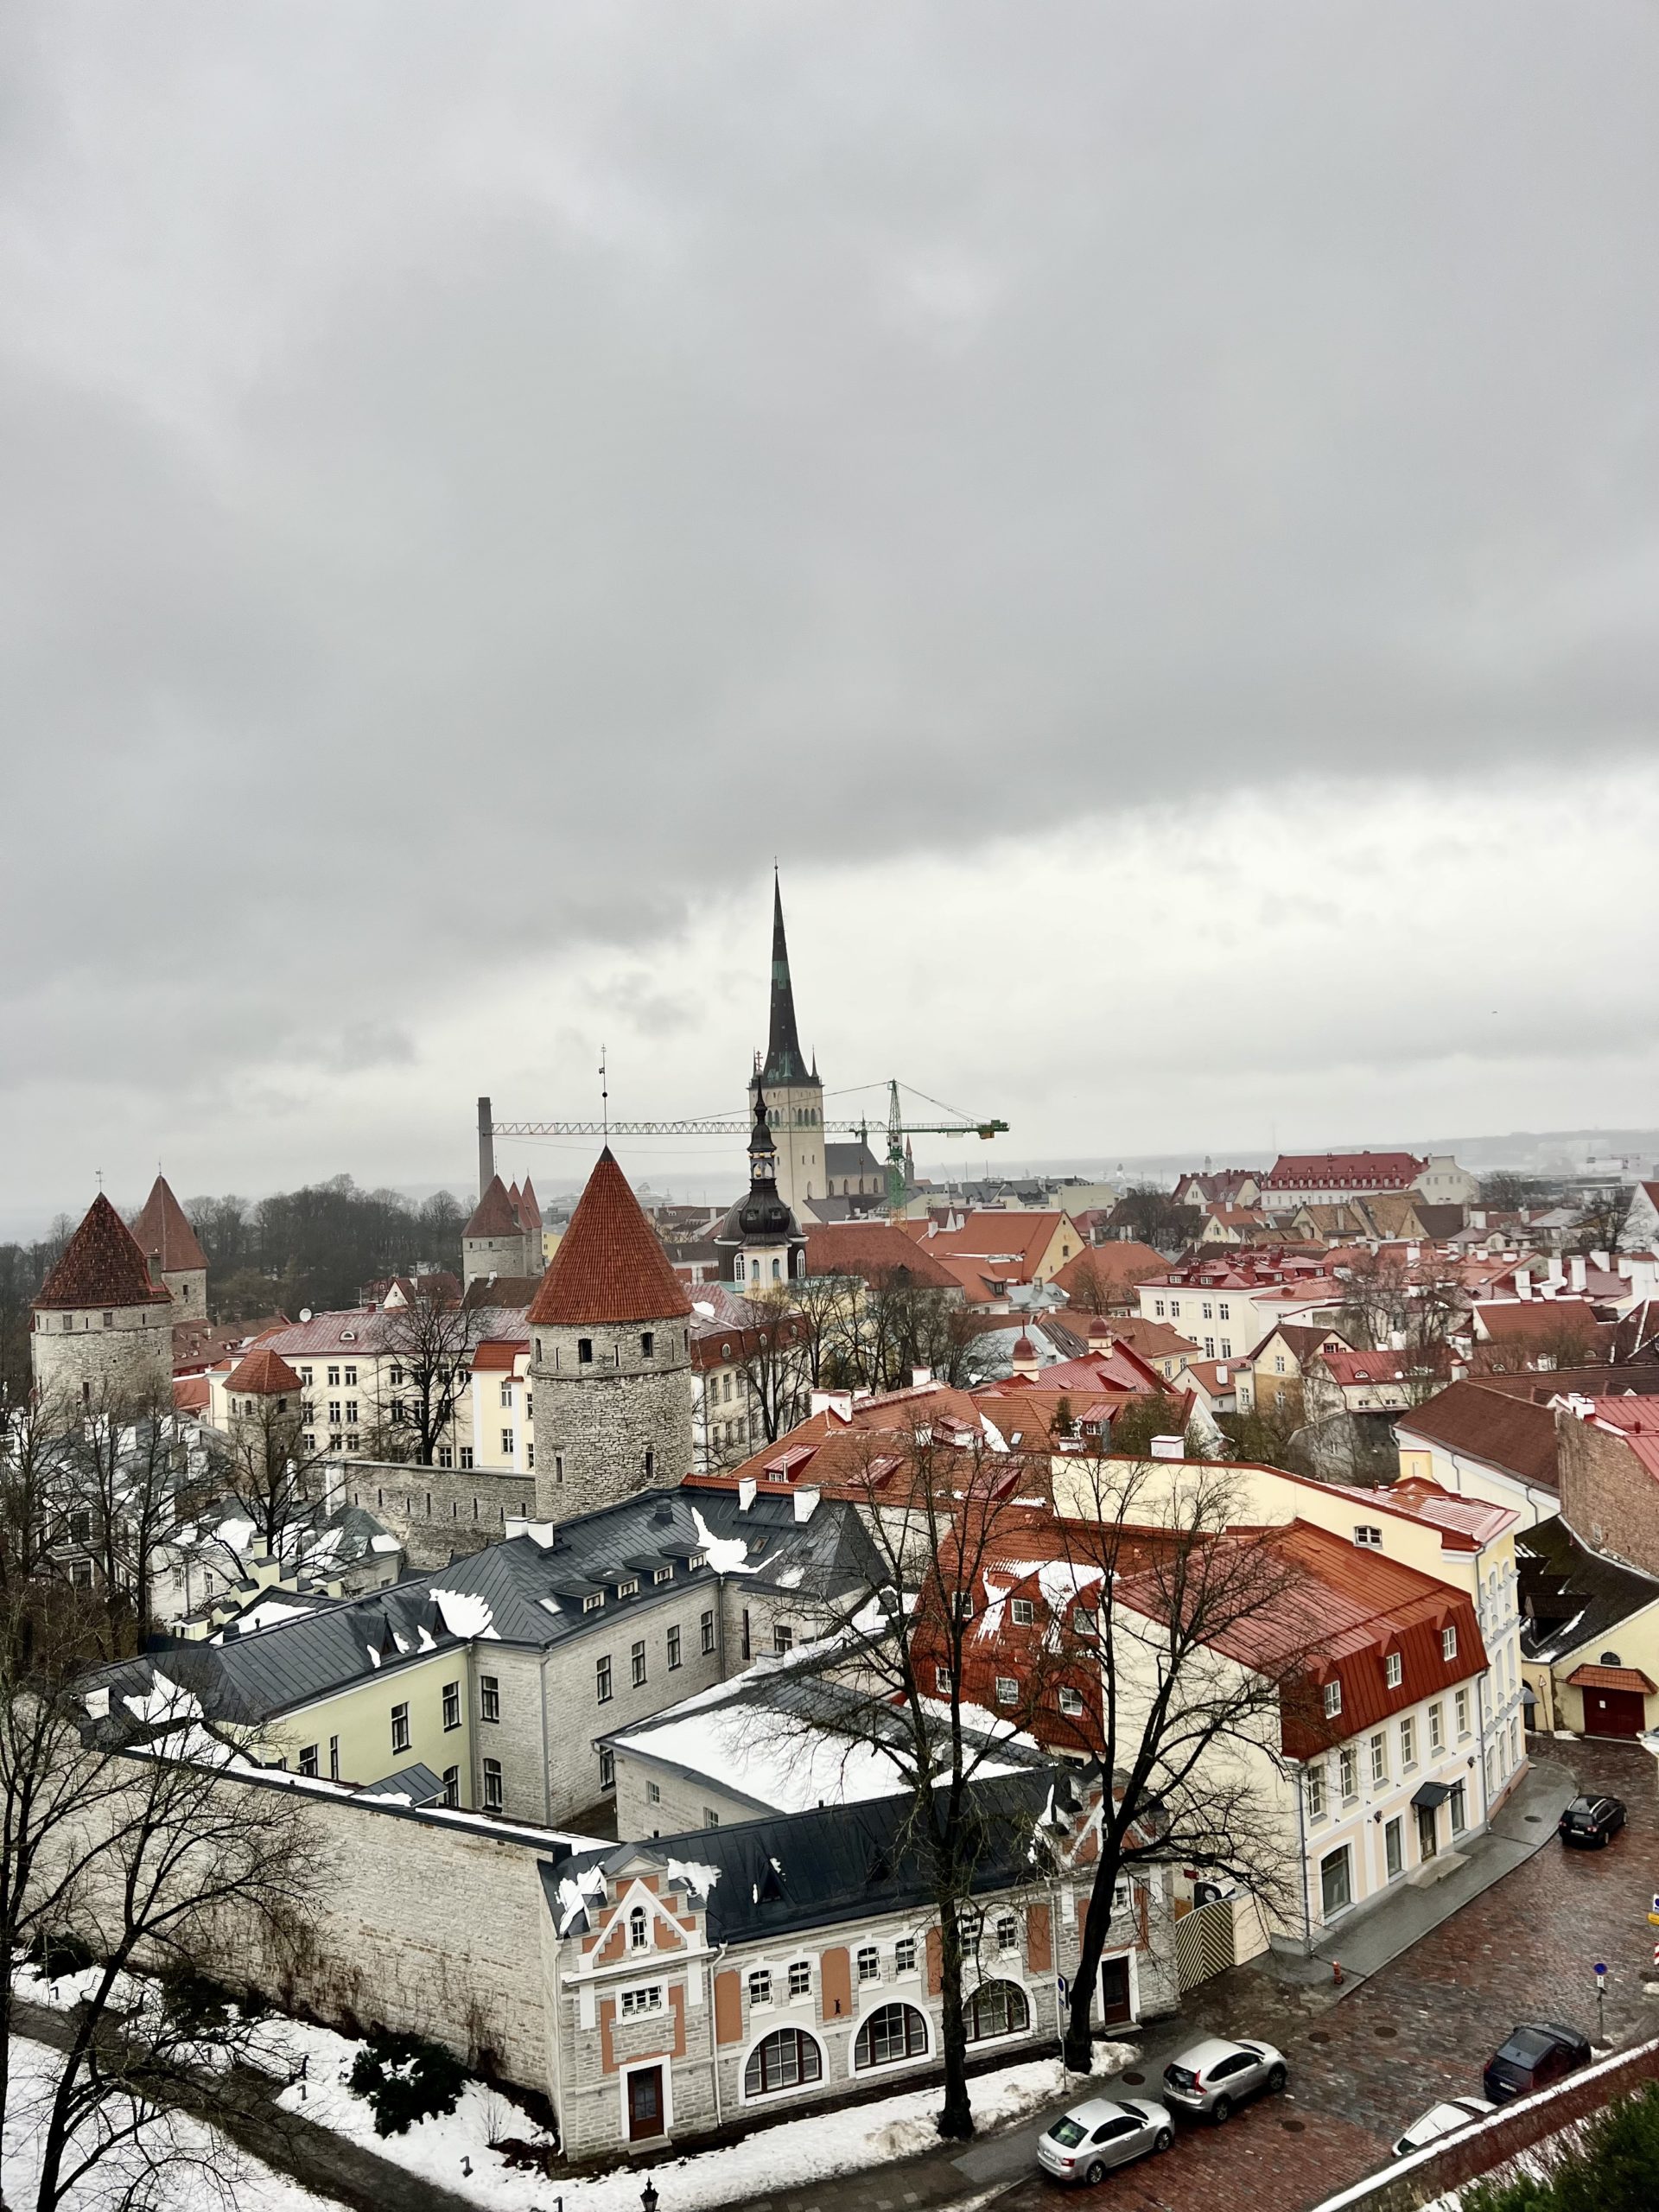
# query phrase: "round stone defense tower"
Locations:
[[103, 1326], [175, 1258], [610, 1358]]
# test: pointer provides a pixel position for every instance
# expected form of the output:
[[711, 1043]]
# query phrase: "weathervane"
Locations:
[[604, 1097]]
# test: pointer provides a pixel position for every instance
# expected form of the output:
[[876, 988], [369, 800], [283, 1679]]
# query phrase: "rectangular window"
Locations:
[[1436, 1728], [869, 1963], [507, 1444], [400, 1727], [745, 1632], [1226, 1311], [904, 1956], [782, 1637], [1024, 1612], [800, 1979], [492, 1797], [1407, 1743], [637, 1666], [452, 1785], [1348, 1775], [760, 1987], [1008, 1690], [635, 2001], [1379, 1759], [333, 1411], [334, 1378], [653, 1793], [1316, 1793], [1394, 1847], [1332, 1699], [673, 1649], [593, 1602], [451, 1705], [351, 1412], [710, 1818], [1368, 1536], [1448, 1643], [1394, 1670], [1462, 1701], [351, 1378], [489, 1697], [334, 1759], [1158, 1308], [446, 1455], [607, 1767], [308, 1759], [1459, 1808], [708, 1633], [466, 1459], [1071, 1701], [506, 1395], [662, 1575], [647, 1343], [602, 1678], [1082, 1620], [941, 1680], [1336, 1884]]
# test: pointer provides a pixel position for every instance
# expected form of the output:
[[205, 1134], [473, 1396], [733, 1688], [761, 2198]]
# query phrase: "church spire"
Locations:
[[784, 1063]]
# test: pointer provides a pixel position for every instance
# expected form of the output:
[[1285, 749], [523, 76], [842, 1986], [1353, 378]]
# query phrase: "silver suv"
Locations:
[[1212, 2077]]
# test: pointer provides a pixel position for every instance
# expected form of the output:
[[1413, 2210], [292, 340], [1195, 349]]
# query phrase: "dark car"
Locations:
[[1537, 2053], [1590, 1820]]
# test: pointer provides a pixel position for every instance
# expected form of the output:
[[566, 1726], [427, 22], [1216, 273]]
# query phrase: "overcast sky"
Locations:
[[1148, 511]]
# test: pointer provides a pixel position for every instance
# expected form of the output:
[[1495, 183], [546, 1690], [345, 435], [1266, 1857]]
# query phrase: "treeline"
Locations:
[[314, 1246]]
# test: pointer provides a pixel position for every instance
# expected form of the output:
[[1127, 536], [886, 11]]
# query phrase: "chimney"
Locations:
[[1168, 1448], [839, 1403], [745, 1493], [806, 1503], [1576, 1271], [920, 1377]]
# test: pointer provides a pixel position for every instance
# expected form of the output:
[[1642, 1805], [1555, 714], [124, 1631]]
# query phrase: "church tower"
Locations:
[[610, 1358], [759, 1243], [176, 1260], [103, 1327], [793, 1097]]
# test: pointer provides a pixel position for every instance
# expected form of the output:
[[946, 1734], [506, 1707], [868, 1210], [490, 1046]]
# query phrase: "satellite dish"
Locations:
[[305, 1313]]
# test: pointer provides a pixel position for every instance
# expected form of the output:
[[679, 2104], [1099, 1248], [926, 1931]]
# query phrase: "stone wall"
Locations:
[[188, 1289], [88, 1363], [437, 1513], [1608, 1498], [614, 1424]]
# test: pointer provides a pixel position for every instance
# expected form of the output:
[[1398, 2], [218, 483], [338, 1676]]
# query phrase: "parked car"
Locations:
[[1590, 1820], [1211, 2077], [1441, 2120], [1106, 2131], [1537, 2053]]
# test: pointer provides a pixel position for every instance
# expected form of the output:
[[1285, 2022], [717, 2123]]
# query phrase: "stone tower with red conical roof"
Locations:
[[610, 1358], [175, 1258], [501, 1238], [103, 1326]]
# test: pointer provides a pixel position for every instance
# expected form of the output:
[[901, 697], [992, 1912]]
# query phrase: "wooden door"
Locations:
[[1613, 1712], [644, 2103], [1428, 1832], [1114, 1991]]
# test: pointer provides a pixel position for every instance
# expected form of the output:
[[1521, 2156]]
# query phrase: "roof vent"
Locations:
[[665, 1512], [1168, 1448], [806, 1503], [745, 1493]]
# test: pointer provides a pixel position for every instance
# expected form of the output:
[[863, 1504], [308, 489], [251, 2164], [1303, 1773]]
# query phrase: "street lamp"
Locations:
[[648, 2198]]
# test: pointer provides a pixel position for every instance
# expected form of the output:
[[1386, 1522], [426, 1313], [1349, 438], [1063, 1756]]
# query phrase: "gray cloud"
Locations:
[[471, 482]]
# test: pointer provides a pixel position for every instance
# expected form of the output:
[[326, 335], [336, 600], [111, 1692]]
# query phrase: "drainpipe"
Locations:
[[714, 2045], [1054, 1957], [1480, 1737], [1301, 1854], [547, 1763]]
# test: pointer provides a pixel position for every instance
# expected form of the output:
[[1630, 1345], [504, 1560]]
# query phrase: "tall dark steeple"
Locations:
[[784, 1062]]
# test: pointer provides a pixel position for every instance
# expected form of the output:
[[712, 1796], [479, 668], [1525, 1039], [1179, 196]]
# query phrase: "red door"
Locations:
[[1613, 1712], [644, 2103], [1113, 1990]]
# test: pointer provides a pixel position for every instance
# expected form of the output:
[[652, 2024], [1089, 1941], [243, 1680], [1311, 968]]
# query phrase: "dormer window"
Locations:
[[1448, 1643], [592, 1601], [662, 1575], [1393, 1671], [629, 1588], [1334, 1698]]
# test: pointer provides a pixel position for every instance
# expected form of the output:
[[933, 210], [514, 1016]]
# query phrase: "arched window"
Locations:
[[776, 1272], [891, 2033], [1610, 1659], [737, 1268], [754, 1270], [786, 2059], [997, 2008], [637, 1925]]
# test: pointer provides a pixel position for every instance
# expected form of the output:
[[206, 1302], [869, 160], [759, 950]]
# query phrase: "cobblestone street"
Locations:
[[1367, 2059]]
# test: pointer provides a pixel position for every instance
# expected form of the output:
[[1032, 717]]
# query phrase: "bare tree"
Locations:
[[122, 1462], [431, 1340], [939, 1507], [774, 1365], [1202, 1658], [1603, 1222], [266, 1470], [140, 1834]]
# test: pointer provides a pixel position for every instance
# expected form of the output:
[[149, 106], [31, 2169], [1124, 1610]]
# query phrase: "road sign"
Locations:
[[1601, 1974], [1060, 1978]]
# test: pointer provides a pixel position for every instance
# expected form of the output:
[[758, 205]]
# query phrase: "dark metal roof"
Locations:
[[418, 1783], [1570, 1595], [804, 1870]]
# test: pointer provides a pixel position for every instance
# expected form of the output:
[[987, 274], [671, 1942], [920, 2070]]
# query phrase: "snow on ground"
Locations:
[[810, 2148], [191, 2153]]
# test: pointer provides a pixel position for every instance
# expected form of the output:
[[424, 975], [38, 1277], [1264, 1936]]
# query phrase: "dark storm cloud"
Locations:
[[474, 477]]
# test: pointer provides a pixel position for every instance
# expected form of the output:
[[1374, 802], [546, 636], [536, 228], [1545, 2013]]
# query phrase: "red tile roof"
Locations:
[[1609, 1678], [1346, 1367], [164, 1235], [873, 1250], [1510, 1319], [1010, 1241], [191, 1393], [610, 1265], [498, 1354], [1120, 1262], [1352, 1171], [1508, 1432], [102, 1265], [529, 1211], [493, 1215], [263, 1374]]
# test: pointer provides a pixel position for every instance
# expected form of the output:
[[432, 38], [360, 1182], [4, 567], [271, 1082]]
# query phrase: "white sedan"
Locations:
[[1105, 2132], [1442, 2120]]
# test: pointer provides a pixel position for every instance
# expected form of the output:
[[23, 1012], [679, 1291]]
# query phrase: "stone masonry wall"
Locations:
[[594, 1421], [438, 1513], [133, 1357], [1608, 1498]]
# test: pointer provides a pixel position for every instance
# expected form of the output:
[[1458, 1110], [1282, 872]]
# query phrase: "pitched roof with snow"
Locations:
[[610, 1265], [164, 1234], [103, 1264]]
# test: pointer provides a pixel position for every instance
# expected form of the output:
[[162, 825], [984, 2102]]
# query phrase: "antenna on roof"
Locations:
[[98, 1171], [604, 1097]]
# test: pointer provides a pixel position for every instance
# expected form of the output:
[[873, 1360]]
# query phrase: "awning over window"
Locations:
[[1432, 1794]]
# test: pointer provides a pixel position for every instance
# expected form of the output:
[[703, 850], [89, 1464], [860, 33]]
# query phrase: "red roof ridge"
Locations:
[[610, 1264], [103, 1264], [263, 1373], [164, 1234]]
